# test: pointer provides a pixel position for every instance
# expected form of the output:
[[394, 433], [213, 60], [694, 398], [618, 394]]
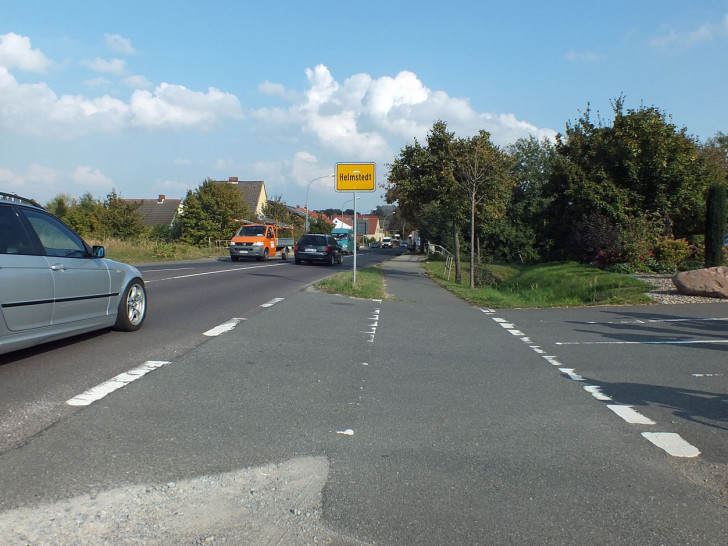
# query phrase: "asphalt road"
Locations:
[[415, 420], [185, 300]]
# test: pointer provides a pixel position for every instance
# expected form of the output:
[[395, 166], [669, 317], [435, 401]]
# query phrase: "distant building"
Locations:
[[158, 211], [253, 192]]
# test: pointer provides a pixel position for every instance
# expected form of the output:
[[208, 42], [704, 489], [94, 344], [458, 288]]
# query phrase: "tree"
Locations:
[[120, 219], [519, 235], [421, 176], [212, 211], [85, 216], [481, 172], [640, 165]]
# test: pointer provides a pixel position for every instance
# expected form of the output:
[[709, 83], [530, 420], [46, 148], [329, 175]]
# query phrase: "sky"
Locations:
[[153, 97]]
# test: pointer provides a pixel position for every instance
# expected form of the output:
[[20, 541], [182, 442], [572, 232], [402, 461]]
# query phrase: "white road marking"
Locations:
[[572, 374], [238, 269], [707, 375], [597, 393], [272, 302], [222, 328], [115, 383], [656, 320], [551, 360], [630, 415], [347, 432], [672, 443], [667, 342]]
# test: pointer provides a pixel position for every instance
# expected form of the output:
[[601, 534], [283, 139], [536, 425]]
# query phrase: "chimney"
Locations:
[[233, 179], [161, 198]]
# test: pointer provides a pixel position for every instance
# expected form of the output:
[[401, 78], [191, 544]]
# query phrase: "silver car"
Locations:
[[54, 285]]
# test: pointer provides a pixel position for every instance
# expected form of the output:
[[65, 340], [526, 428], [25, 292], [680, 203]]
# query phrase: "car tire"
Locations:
[[341, 259], [331, 260], [235, 258], [132, 307], [298, 261]]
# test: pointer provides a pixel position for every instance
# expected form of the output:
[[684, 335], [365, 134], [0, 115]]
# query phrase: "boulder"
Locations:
[[711, 282]]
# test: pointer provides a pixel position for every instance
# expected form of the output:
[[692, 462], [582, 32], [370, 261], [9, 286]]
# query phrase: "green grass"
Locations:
[[137, 253], [565, 284], [369, 284]]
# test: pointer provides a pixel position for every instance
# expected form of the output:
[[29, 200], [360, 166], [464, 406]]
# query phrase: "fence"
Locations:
[[437, 249]]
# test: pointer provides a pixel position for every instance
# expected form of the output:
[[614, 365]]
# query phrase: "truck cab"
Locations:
[[345, 238], [260, 241]]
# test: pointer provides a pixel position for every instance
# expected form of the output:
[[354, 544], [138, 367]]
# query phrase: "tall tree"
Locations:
[[212, 211], [481, 172]]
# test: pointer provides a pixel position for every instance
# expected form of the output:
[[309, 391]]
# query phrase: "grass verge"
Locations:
[[369, 284], [151, 251], [566, 284]]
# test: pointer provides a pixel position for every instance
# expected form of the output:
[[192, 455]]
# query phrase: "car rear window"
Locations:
[[312, 240]]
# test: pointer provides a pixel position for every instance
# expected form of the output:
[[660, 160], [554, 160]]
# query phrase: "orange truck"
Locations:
[[262, 241]]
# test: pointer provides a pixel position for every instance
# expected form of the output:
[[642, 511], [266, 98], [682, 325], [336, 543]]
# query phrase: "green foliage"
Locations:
[[112, 218], [319, 225], [640, 165], [549, 285], [212, 212], [715, 221]]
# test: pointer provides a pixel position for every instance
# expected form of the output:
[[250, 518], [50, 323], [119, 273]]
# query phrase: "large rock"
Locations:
[[711, 282]]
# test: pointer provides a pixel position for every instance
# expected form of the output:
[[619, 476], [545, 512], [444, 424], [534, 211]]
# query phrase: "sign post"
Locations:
[[354, 177]]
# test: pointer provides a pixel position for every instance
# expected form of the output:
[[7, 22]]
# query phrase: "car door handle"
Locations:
[[58, 267]]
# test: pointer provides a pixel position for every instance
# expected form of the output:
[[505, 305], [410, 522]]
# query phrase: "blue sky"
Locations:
[[152, 98]]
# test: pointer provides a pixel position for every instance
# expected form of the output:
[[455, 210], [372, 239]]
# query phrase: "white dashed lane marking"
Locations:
[[222, 328], [115, 383], [670, 442]]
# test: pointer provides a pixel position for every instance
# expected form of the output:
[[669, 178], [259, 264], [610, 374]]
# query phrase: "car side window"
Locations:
[[14, 239], [57, 239]]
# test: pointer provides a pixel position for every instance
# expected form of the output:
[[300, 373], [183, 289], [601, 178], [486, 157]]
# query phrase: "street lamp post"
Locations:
[[342, 209], [309, 187]]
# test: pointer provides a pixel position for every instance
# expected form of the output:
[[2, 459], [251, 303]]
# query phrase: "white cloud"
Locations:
[[175, 106], [36, 110], [16, 52], [365, 118], [119, 44], [704, 33], [98, 82], [114, 66], [137, 82], [88, 177]]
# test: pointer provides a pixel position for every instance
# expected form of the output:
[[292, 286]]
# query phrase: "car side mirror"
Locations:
[[98, 251]]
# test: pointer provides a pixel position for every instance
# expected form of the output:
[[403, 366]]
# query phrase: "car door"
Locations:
[[26, 282], [81, 281]]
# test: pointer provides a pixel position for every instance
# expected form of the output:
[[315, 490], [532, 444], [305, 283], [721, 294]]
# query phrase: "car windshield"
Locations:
[[252, 231], [339, 236]]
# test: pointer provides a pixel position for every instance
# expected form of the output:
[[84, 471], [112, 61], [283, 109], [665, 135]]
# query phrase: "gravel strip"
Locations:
[[665, 291]]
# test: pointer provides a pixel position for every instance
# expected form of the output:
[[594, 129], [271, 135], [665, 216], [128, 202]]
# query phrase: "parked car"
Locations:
[[374, 245], [54, 285], [314, 247]]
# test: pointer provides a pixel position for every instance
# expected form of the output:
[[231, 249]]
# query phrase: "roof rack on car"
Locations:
[[18, 199]]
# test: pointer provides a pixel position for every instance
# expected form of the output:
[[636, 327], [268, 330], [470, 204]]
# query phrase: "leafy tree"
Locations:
[[85, 216], [421, 176], [119, 218], [640, 165], [61, 204], [212, 211], [319, 225], [481, 172], [520, 234]]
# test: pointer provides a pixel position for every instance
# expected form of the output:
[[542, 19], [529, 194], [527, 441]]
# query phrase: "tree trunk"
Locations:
[[456, 244], [472, 240]]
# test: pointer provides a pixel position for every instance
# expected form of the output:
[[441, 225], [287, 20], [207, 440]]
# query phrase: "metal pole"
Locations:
[[308, 188], [354, 222]]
